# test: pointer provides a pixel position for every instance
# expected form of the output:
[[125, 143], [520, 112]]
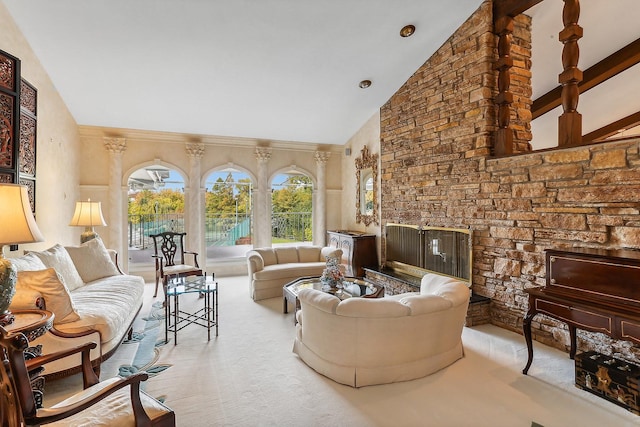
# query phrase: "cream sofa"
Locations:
[[272, 268], [364, 341], [90, 297]]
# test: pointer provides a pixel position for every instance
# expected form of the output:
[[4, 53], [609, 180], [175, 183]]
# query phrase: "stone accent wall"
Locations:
[[437, 169]]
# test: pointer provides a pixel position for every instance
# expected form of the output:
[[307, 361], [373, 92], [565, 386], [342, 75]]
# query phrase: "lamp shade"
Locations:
[[18, 223], [87, 214]]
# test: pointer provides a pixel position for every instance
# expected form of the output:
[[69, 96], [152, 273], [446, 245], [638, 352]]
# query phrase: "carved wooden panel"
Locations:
[[7, 131], [7, 72], [28, 119], [31, 191], [18, 118], [28, 95], [9, 119]]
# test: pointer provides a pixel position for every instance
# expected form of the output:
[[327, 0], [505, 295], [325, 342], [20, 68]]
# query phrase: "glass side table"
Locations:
[[176, 318]]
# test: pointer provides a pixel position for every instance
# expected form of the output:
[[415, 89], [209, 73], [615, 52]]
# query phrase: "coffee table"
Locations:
[[353, 288], [176, 318]]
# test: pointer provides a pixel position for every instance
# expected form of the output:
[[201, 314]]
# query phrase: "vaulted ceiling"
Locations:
[[286, 70]]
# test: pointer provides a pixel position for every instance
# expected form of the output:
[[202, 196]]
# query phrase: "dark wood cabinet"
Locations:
[[591, 289], [358, 250]]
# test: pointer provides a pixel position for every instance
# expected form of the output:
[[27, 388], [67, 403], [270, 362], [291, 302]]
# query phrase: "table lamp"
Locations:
[[17, 225], [88, 214]]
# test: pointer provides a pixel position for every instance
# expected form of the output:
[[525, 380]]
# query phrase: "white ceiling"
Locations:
[[285, 70], [270, 69]]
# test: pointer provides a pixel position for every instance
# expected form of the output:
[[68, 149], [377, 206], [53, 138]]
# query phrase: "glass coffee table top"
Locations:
[[353, 287]]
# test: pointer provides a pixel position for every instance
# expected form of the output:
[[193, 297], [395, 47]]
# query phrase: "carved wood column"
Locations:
[[195, 206], [570, 122], [117, 193], [320, 199], [262, 211], [504, 135]]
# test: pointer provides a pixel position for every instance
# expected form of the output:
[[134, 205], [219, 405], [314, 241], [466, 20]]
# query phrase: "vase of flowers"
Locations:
[[332, 275]]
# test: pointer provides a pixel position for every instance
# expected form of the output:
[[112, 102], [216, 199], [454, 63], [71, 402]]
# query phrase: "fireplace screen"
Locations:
[[416, 250]]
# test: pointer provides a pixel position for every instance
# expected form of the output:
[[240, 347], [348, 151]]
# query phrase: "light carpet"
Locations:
[[248, 376]]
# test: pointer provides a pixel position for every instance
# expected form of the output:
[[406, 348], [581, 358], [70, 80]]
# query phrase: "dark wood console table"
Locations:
[[358, 250], [591, 289]]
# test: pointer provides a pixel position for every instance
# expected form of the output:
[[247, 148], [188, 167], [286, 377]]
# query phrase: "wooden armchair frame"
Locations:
[[17, 403], [169, 254]]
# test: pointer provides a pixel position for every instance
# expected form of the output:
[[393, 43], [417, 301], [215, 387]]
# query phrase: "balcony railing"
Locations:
[[291, 226], [142, 226], [220, 229]]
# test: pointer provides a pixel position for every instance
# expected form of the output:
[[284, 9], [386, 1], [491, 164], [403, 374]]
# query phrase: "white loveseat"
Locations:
[[367, 341], [90, 297], [272, 268]]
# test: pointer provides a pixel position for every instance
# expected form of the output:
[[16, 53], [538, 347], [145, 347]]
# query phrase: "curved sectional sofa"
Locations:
[[367, 341]]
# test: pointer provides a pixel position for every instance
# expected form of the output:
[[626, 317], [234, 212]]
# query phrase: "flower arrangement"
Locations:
[[332, 275]]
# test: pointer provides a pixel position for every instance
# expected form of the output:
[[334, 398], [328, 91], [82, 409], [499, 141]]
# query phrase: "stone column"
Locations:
[[117, 193], [320, 199], [504, 99], [261, 211], [194, 207]]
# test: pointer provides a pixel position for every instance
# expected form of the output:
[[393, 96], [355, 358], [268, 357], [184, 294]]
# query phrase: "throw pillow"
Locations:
[[309, 253], [54, 291], [28, 262], [57, 257], [286, 255], [92, 260]]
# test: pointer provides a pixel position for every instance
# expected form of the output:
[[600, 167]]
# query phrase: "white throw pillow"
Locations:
[[309, 254], [92, 260], [28, 262], [54, 291], [57, 257], [286, 255]]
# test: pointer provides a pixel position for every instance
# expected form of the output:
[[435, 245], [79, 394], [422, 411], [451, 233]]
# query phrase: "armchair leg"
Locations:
[[155, 293]]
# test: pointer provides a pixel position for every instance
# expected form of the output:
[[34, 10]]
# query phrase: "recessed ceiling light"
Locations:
[[365, 84], [407, 30]]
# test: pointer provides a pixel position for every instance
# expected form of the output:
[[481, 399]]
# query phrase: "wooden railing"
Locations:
[[573, 81]]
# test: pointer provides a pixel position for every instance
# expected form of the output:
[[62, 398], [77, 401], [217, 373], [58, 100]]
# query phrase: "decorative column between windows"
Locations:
[[194, 205], [262, 206], [117, 193], [320, 199]]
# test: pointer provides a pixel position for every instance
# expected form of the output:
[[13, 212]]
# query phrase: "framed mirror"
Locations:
[[366, 187]]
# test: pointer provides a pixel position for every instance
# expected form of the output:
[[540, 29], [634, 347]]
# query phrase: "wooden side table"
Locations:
[[33, 324]]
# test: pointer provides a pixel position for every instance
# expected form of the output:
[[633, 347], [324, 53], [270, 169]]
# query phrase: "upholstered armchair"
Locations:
[[169, 254], [113, 402]]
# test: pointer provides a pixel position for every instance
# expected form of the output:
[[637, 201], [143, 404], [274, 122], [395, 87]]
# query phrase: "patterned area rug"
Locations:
[[149, 341]]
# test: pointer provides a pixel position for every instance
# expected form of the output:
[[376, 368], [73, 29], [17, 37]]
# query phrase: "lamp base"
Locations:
[[8, 277], [88, 234]]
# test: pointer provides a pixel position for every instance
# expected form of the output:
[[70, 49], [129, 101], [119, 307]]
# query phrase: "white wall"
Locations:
[[58, 146], [368, 135]]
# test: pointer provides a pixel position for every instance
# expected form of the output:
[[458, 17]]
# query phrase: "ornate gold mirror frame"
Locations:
[[367, 188]]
